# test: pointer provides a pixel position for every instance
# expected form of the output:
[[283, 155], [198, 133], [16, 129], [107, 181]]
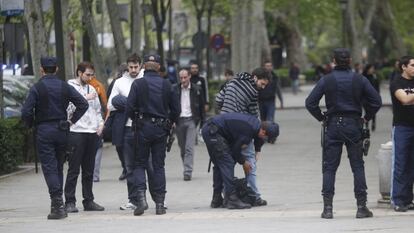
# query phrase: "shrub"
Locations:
[[12, 144]]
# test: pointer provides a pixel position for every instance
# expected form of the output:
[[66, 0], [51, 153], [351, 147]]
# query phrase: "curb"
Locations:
[[21, 170]]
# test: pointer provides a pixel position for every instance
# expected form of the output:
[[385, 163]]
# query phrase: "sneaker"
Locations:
[[95, 179], [400, 208], [410, 206], [128, 206], [187, 177], [259, 202], [92, 206], [70, 207]]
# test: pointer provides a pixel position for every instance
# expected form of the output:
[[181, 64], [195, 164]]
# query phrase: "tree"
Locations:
[[210, 8], [159, 10], [199, 14], [136, 15], [116, 26], [90, 28], [37, 33]]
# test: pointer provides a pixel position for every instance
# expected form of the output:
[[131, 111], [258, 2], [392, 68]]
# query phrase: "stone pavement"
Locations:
[[289, 176]]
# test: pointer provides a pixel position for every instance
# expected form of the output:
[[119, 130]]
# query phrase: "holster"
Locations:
[[64, 125]]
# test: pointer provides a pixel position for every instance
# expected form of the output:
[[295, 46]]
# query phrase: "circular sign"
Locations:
[[217, 41]]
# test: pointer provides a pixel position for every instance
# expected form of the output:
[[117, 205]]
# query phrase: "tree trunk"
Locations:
[[209, 13], [159, 11], [136, 15], [1, 74], [116, 26], [37, 34], [69, 69], [352, 30], [97, 57]]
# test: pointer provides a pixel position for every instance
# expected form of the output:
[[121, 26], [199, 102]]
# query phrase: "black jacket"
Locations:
[[197, 102]]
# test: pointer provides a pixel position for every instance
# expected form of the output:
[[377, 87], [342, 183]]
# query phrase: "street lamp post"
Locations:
[[343, 4]]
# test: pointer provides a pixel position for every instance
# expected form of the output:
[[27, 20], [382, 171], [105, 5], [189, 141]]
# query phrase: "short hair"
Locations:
[[134, 58], [261, 73], [83, 66], [267, 61], [229, 72], [186, 70], [405, 60], [49, 69]]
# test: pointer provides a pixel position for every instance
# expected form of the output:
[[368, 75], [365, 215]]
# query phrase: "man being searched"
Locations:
[[45, 108], [402, 93], [83, 142], [192, 111], [345, 94], [154, 106], [225, 136]]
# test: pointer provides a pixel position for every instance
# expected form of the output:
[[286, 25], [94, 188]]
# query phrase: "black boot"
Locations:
[[57, 209], [363, 212], [160, 209], [217, 201], [234, 202], [142, 204], [327, 208]]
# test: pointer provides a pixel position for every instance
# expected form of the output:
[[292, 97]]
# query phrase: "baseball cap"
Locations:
[[341, 54], [272, 131], [153, 57], [48, 61]]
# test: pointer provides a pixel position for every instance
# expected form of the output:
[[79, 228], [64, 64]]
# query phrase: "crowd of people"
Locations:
[[145, 103]]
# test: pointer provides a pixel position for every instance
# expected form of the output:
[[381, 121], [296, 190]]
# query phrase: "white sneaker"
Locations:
[[128, 206]]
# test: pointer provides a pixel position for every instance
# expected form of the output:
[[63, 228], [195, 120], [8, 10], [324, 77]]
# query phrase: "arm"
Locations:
[[132, 101], [404, 97], [114, 92], [279, 91], [28, 108], [373, 103], [174, 104], [237, 147], [312, 102]]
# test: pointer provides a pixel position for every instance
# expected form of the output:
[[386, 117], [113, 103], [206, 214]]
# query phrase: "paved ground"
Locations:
[[289, 178]]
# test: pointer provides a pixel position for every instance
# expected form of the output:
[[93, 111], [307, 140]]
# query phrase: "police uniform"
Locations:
[[345, 92], [154, 105], [45, 108], [225, 135]]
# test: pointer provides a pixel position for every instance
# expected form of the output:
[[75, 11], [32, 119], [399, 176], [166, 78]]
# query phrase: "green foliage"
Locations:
[[213, 89], [384, 73], [12, 144]]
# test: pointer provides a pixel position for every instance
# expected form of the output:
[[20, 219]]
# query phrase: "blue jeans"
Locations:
[[250, 155], [267, 110], [402, 165]]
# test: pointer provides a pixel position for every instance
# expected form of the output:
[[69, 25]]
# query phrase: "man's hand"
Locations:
[[247, 167], [99, 130], [90, 96], [257, 156]]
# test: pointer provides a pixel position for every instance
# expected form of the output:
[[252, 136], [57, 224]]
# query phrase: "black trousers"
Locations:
[[82, 149]]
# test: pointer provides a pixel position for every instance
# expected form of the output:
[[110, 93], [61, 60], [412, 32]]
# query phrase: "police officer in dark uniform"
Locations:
[[345, 92], [154, 105], [225, 136], [45, 108]]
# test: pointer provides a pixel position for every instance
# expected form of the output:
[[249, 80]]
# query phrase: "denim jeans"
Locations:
[[250, 155], [267, 110]]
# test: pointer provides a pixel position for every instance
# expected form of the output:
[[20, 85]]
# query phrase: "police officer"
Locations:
[[154, 105], [45, 107], [344, 91], [225, 136]]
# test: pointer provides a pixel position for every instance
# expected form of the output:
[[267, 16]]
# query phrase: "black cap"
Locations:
[[48, 61], [154, 58], [272, 131], [341, 54]]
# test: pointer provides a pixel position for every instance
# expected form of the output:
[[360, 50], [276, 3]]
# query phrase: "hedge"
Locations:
[[13, 145]]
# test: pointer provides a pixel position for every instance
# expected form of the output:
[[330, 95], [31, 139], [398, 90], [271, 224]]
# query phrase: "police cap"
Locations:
[[341, 54], [48, 61], [272, 130], [152, 58]]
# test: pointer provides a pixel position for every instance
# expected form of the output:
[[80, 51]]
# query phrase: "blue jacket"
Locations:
[[238, 129], [48, 100], [345, 95], [118, 120]]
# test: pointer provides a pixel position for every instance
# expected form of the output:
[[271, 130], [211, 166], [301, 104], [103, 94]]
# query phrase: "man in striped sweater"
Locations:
[[241, 95]]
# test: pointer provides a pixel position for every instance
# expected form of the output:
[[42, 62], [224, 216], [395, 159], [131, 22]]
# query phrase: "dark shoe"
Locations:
[[187, 177], [160, 209], [327, 212], [410, 206], [363, 212], [217, 201], [234, 202], [122, 176], [400, 208], [141, 204], [259, 202], [92, 206], [57, 209], [70, 207]]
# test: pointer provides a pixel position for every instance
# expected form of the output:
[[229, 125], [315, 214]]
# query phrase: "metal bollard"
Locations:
[[384, 168]]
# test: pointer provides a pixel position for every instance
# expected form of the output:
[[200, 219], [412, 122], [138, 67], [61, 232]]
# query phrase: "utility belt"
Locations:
[[140, 119], [63, 125]]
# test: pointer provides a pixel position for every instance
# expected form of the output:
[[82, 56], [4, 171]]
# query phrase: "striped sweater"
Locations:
[[239, 95]]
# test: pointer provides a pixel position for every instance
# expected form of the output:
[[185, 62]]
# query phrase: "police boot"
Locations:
[[142, 204], [327, 208], [217, 201], [57, 209], [160, 209], [363, 212], [234, 202]]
